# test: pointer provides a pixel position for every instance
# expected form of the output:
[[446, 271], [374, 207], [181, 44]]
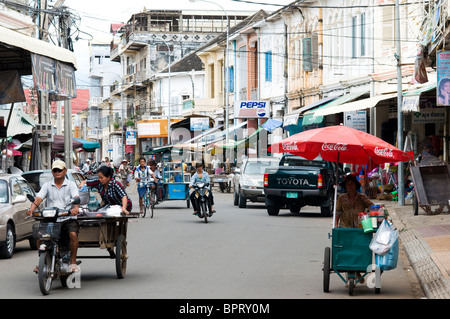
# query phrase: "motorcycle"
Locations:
[[201, 192], [54, 253]]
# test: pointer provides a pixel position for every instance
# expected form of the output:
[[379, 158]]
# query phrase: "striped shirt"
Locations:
[[113, 194]]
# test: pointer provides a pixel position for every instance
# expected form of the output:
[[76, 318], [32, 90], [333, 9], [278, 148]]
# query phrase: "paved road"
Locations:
[[240, 253]]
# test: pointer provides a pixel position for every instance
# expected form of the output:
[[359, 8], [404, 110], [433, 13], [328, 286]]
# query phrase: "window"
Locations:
[[4, 192], [354, 37], [363, 34], [231, 79], [268, 65]]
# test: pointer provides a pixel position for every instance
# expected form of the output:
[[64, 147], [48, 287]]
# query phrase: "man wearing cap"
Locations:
[[59, 191], [86, 167]]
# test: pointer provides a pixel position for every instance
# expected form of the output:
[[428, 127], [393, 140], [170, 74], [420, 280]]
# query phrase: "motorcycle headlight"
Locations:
[[49, 212], [200, 185]]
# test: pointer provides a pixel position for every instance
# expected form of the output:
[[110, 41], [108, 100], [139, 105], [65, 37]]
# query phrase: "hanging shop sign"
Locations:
[[429, 115]]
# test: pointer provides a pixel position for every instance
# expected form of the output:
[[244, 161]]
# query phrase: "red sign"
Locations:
[[128, 148]]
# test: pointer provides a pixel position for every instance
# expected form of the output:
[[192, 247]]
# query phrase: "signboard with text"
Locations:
[[252, 109]]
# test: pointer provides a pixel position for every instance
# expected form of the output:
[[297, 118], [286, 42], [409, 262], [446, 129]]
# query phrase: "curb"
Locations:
[[430, 276]]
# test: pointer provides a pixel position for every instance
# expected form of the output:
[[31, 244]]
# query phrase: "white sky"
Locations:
[[97, 16]]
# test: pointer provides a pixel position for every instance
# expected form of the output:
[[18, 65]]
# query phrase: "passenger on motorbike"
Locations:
[[59, 191], [200, 176], [111, 191], [157, 177]]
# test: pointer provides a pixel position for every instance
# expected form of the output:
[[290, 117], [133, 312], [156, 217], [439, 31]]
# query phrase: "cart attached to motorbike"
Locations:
[[97, 230]]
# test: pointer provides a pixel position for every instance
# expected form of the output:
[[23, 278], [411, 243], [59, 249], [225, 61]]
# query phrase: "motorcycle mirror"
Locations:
[[30, 198]]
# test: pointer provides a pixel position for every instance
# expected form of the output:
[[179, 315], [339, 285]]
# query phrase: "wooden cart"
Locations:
[[106, 232], [431, 178]]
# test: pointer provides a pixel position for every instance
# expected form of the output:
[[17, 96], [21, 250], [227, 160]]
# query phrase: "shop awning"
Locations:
[[88, 146], [310, 117], [292, 117], [158, 149], [233, 144], [13, 58], [221, 135], [355, 105], [20, 122]]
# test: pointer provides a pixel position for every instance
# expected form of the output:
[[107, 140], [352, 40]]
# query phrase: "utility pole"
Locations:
[[44, 105], [68, 141], [401, 186]]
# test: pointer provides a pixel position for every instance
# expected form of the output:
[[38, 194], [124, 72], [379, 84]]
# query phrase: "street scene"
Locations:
[[224, 150]]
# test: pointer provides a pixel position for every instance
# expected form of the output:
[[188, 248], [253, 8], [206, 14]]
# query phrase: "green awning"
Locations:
[[310, 118], [158, 149], [88, 146]]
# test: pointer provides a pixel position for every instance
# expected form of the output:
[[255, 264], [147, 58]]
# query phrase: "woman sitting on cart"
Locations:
[[111, 191], [200, 176], [350, 204]]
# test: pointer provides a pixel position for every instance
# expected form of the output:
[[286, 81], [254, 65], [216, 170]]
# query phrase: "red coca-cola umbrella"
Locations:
[[340, 144]]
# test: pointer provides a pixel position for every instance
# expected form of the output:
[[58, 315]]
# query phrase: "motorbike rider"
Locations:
[[156, 174], [59, 191], [200, 176], [142, 175]]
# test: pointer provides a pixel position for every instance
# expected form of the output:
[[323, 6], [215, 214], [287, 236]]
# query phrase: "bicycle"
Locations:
[[149, 199]]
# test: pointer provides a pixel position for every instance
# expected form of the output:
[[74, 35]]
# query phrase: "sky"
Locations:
[[96, 17]]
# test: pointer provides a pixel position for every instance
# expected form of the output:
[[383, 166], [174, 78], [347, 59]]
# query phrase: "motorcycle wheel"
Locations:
[[44, 274], [204, 209]]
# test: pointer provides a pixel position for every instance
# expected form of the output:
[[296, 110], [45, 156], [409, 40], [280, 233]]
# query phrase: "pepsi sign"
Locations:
[[252, 109]]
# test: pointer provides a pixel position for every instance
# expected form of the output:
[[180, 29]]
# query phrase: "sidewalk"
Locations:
[[426, 240]]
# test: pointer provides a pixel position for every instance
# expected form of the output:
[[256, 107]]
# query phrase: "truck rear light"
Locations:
[[319, 180], [266, 179]]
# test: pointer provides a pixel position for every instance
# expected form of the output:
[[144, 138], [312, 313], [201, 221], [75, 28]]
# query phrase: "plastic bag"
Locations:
[[389, 260], [384, 238]]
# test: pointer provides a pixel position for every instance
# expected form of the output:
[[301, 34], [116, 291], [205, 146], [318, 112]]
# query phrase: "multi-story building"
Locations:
[[151, 40]]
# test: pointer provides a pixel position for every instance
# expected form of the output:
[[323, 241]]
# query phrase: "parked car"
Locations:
[[37, 178], [248, 180], [14, 227]]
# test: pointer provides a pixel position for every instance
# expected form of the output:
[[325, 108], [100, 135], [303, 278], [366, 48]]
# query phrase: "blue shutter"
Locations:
[[231, 79], [268, 64]]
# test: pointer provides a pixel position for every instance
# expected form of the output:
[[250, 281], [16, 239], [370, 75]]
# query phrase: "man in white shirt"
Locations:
[[59, 192]]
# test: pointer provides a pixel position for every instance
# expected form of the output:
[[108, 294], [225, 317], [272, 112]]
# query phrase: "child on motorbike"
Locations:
[[200, 176]]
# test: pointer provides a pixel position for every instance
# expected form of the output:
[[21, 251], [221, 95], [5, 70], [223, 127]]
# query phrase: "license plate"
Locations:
[[291, 195]]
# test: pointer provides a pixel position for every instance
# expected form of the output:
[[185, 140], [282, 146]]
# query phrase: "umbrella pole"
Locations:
[[335, 191]]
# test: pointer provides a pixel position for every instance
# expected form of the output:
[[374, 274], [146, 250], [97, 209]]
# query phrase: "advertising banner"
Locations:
[[54, 77], [252, 109], [443, 78]]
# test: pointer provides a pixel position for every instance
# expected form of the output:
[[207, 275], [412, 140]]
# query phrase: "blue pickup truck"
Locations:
[[299, 182]]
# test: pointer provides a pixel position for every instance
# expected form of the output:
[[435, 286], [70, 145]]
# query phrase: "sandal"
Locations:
[[36, 269], [195, 213], [74, 268]]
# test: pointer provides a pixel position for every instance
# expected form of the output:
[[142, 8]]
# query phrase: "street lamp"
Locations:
[[226, 67]]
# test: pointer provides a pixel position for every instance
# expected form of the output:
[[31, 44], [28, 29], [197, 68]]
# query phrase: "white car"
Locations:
[[248, 180], [14, 204]]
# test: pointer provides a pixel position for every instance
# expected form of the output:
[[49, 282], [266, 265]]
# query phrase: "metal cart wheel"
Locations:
[[351, 286], [121, 256], [326, 269]]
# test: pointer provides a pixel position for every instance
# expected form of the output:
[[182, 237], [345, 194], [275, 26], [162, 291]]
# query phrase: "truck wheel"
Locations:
[[328, 210], [294, 208], [273, 210]]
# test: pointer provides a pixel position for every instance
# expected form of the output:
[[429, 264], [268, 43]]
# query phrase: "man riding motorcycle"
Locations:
[[200, 176], [59, 191]]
